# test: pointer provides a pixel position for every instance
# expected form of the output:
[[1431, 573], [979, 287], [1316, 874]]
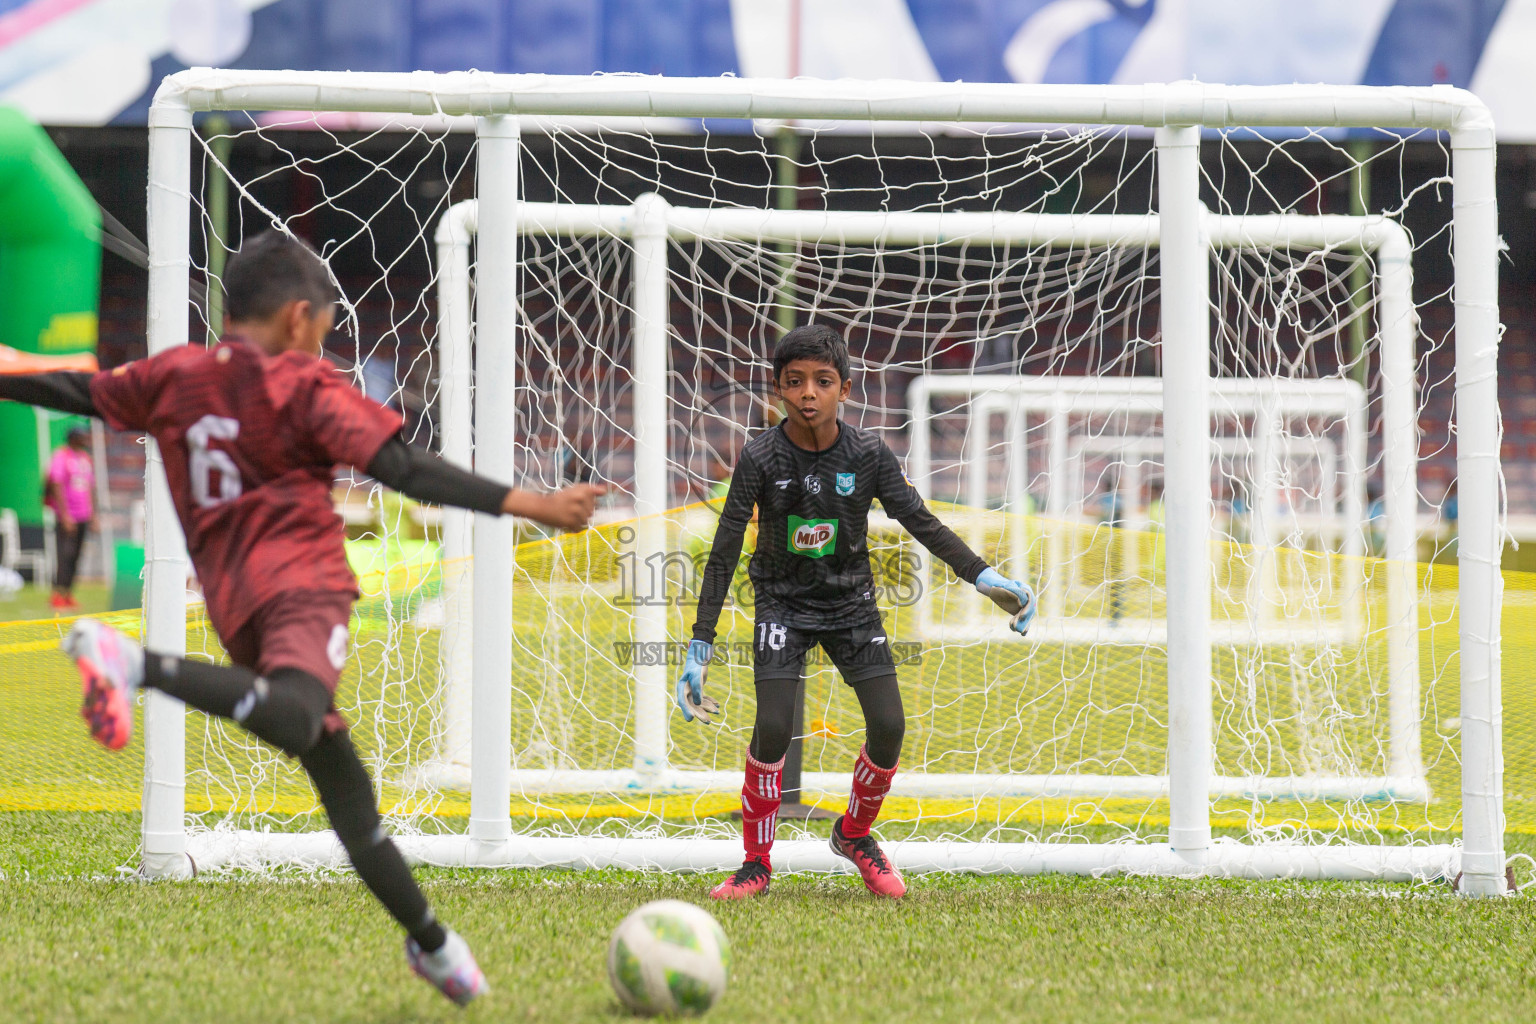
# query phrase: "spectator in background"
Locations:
[[576, 462], [1239, 519], [1450, 516], [700, 540], [1376, 519], [1109, 508], [722, 477], [70, 485], [999, 354], [1157, 509], [379, 380]]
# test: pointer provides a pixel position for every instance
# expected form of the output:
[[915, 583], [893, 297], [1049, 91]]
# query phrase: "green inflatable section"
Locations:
[[50, 286]]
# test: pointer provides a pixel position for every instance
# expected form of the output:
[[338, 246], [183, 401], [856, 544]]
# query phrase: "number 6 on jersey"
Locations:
[[203, 461]]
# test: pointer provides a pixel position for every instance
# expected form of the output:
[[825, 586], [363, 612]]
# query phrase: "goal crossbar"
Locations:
[[482, 94]]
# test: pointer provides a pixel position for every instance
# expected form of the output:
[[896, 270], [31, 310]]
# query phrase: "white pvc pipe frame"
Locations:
[[1177, 111], [1132, 451], [1015, 396], [1267, 401], [651, 221], [1225, 859]]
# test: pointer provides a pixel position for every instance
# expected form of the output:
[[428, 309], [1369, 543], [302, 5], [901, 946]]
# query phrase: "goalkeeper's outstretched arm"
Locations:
[[904, 504], [742, 497], [735, 514]]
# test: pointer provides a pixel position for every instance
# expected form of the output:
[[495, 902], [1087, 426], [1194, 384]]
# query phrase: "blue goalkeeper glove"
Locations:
[[690, 685], [1012, 596]]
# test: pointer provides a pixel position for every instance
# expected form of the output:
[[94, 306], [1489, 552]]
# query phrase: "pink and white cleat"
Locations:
[[880, 875], [751, 879], [111, 669], [452, 969]]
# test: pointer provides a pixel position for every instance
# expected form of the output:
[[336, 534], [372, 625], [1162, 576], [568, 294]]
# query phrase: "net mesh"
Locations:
[[1303, 680], [1113, 698]]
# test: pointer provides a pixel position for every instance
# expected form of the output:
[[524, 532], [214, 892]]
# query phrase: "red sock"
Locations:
[[870, 784], [760, 796]]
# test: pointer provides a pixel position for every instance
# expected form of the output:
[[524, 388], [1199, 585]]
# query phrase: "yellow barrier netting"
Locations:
[[994, 705]]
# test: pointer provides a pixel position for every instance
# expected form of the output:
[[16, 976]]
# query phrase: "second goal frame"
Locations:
[[650, 224]]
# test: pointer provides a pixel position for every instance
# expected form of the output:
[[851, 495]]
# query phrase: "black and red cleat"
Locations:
[[751, 879], [880, 875]]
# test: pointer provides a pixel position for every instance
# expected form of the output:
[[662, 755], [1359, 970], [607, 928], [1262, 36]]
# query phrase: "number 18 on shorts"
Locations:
[[859, 652]]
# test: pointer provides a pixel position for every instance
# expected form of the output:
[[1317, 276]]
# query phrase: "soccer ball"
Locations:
[[669, 957]]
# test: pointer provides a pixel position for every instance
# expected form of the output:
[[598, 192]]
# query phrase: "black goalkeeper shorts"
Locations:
[[859, 652]]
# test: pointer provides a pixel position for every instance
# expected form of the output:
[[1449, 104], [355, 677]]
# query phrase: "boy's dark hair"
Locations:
[[816, 342], [272, 270]]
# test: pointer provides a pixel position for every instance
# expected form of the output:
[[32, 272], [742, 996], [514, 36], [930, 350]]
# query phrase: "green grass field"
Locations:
[[83, 944], [83, 941]]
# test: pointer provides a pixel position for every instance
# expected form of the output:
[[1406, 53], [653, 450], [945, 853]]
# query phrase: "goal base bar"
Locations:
[[236, 850], [551, 782]]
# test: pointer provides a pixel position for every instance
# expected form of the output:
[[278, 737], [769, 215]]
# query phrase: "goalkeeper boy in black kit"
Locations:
[[812, 479]]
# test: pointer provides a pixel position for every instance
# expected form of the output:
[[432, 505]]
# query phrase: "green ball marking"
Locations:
[[627, 970], [673, 931], [689, 993]]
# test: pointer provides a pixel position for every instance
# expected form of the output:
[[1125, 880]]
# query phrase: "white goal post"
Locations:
[[1177, 113]]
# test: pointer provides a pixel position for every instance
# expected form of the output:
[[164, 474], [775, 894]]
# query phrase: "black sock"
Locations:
[[347, 793], [385, 872], [432, 937], [286, 708]]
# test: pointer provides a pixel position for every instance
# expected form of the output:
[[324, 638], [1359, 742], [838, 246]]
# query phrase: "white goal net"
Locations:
[[1197, 389]]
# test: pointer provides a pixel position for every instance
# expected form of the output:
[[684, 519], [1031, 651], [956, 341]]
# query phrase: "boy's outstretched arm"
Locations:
[[354, 430], [423, 476], [903, 503], [414, 473], [62, 390]]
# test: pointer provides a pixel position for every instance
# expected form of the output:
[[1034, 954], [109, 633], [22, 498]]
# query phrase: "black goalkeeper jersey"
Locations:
[[811, 567]]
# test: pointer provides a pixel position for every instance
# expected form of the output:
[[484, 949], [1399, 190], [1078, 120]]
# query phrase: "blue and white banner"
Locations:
[[96, 61]]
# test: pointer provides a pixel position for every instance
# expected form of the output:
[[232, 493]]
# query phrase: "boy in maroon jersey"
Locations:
[[251, 431]]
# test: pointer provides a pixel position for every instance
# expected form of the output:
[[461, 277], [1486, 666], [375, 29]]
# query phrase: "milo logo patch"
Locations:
[[813, 538]]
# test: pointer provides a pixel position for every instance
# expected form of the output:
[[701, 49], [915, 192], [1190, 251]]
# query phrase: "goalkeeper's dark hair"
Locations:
[[816, 342], [272, 270]]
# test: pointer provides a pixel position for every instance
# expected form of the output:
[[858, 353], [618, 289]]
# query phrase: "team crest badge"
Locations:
[[845, 484]]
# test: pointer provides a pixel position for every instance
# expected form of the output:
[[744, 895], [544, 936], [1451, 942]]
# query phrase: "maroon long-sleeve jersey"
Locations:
[[251, 444]]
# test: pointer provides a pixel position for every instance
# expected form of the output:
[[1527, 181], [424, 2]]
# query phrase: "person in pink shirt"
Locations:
[[71, 484]]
